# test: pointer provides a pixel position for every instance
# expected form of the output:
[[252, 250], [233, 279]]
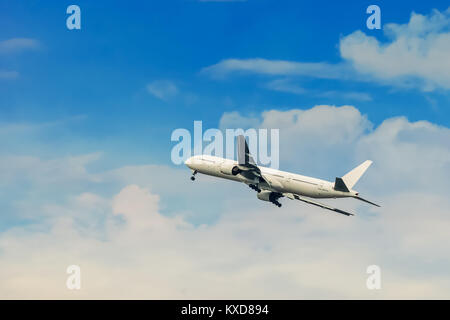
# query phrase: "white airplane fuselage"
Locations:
[[277, 180]]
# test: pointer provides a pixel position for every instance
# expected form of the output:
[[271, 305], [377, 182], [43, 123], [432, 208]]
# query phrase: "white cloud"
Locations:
[[417, 50], [415, 55], [16, 45], [235, 120], [411, 155], [319, 132], [253, 250], [346, 95], [140, 209], [285, 85], [406, 155], [299, 252], [53, 171], [276, 68], [162, 89], [289, 86]]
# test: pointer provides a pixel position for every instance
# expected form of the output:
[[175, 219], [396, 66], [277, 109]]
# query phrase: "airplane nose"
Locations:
[[188, 162]]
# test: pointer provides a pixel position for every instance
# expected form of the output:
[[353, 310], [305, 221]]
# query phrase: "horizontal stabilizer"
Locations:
[[359, 198]]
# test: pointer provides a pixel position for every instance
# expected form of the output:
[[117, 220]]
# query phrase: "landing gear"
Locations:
[[193, 175], [274, 199], [277, 203], [255, 187]]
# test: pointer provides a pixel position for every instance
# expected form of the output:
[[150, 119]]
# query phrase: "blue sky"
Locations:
[[86, 118], [98, 75]]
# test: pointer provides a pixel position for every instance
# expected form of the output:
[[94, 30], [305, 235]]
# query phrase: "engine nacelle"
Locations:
[[267, 196], [229, 169]]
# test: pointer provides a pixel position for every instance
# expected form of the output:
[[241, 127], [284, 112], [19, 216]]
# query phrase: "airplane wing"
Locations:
[[315, 203], [365, 200]]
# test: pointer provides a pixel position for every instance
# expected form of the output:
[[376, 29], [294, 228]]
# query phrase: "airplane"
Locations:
[[271, 184]]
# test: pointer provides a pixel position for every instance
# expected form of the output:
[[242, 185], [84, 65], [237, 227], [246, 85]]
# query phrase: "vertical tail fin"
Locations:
[[353, 176]]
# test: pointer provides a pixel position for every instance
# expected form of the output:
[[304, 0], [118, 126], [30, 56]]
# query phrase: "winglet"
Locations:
[[244, 156]]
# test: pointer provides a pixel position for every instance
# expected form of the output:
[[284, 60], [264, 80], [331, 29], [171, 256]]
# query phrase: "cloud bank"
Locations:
[[275, 68], [415, 54], [115, 226], [416, 51]]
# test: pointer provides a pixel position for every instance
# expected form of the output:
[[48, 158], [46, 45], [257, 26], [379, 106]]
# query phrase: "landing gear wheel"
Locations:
[[255, 187], [193, 175], [277, 204]]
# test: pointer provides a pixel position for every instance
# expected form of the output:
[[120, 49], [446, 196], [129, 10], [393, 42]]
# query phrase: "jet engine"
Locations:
[[270, 196], [229, 169]]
